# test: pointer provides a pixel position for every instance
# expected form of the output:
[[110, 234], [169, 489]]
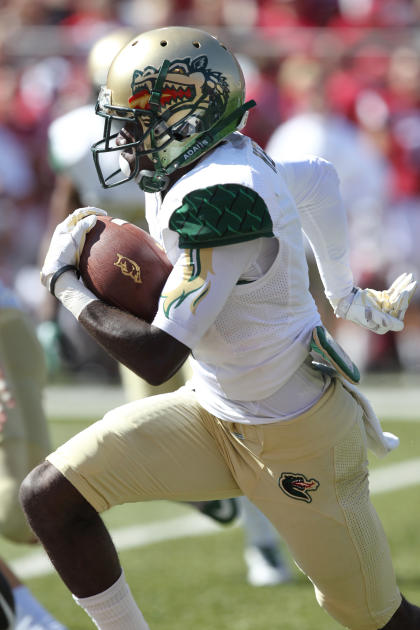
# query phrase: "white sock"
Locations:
[[114, 608], [31, 614]]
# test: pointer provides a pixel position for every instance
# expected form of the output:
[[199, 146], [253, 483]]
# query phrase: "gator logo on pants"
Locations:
[[297, 486]]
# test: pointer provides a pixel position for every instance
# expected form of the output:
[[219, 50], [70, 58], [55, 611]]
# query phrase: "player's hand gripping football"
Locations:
[[379, 311], [67, 241]]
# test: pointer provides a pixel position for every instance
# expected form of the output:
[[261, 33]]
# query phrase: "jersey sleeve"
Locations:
[[198, 287], [219, 215], [315, 187]]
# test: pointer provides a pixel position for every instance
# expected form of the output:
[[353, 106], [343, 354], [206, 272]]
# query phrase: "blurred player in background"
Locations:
[[364, 175], [77, 185], [24, 442], [260, 418]]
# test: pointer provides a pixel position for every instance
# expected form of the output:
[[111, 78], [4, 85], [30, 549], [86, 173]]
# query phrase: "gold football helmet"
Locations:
[[185, 92]]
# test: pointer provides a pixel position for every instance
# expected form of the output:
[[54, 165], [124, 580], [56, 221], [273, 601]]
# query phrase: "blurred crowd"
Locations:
[[339, 78]]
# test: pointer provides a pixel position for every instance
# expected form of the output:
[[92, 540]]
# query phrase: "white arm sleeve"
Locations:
[[314, 185], [198, 287]]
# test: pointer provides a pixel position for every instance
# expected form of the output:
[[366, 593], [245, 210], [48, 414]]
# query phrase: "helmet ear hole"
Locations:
[[196, 44], [163, 42]]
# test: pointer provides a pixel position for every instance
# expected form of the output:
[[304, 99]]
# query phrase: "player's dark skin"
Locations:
[[71, 531]]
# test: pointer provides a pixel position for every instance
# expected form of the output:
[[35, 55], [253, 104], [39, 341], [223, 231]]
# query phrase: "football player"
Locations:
[[24, 442], [76, 184], [260, 418]]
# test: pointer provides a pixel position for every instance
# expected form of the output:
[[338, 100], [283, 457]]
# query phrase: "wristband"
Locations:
[[58, 273], [73, 294]]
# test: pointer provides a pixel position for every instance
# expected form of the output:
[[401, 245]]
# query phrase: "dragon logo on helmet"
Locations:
[[189, 85]]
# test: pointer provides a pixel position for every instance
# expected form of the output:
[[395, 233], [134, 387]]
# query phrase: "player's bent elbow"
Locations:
[[154, 357], [163, 366], [164, 358], [156, 377], [155, 382]]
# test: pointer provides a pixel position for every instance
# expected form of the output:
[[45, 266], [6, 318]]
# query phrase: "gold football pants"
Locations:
[[308, 475]]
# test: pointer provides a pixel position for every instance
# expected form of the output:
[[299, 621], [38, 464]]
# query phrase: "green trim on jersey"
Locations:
[[221, 215]]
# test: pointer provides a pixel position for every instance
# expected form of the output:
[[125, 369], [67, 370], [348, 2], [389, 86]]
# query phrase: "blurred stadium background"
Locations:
[[340, 78]]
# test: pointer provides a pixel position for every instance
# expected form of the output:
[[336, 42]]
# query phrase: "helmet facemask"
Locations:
[[146, 122]]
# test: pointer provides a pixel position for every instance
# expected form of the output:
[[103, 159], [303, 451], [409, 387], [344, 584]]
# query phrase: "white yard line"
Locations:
[[37, 563], [400, 475], [390, 399], [384, 479]]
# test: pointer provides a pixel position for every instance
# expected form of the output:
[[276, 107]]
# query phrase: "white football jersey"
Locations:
[[239, 295]]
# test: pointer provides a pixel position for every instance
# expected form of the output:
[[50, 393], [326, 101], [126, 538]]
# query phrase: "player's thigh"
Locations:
[[156, 448], [317, 495]]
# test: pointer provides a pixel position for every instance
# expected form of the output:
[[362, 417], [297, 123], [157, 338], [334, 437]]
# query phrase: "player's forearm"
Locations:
[[331, 251], [145, 349], [325, 224], [315, 187]]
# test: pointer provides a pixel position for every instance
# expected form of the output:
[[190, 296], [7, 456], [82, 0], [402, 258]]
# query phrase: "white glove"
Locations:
[[379, 311], [68, 240]]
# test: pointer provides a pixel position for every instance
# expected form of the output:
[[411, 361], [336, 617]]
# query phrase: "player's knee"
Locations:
[[34, 489], [49, 499]]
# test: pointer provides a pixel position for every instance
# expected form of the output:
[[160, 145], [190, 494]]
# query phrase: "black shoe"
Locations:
[[223, 511], [7, 605]]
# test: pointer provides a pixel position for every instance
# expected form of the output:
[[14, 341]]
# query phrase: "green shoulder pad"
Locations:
[[221, 215]]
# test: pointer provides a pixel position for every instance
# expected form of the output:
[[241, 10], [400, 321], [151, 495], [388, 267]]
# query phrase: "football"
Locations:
[[124, 266]]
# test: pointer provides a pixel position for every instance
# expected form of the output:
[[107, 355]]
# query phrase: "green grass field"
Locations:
[[198, 583]]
